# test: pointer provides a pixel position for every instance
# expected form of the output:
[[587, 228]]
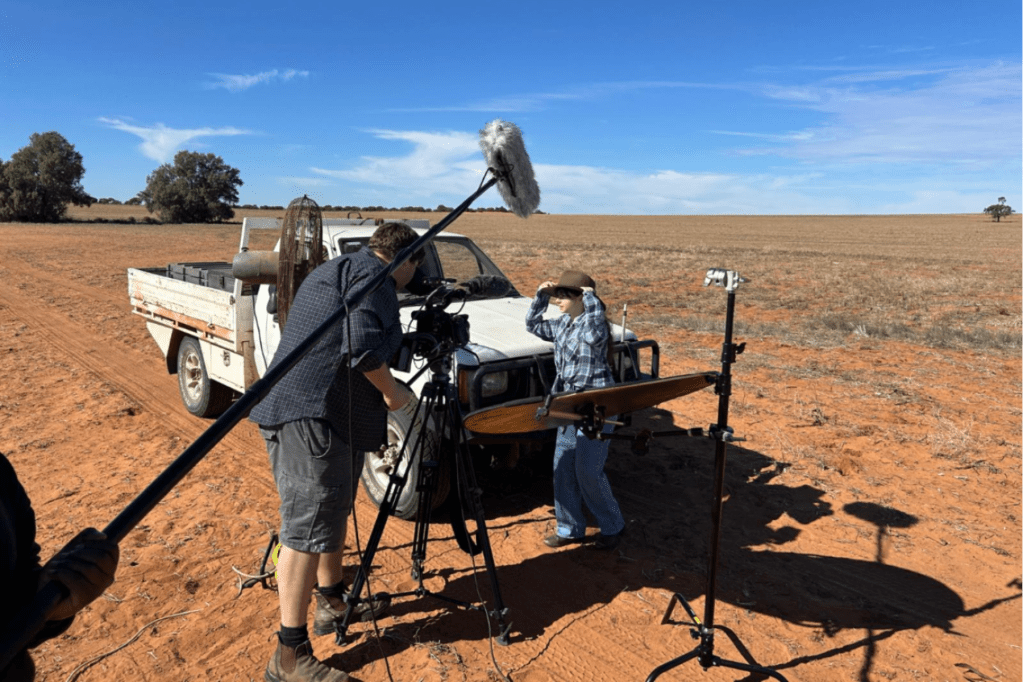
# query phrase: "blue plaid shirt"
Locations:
[[580, 345], [318, 387]]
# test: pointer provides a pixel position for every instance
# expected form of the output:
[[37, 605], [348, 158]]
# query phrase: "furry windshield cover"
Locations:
[[506, 156]]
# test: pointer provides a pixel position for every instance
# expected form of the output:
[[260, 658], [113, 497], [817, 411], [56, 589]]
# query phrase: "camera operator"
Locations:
[[315, 457]]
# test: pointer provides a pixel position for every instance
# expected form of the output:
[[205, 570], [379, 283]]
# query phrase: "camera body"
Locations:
[[437, 332], [438, 328]]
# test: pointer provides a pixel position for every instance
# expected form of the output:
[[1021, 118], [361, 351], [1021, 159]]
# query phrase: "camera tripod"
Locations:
[[722, 434], [439, 405]]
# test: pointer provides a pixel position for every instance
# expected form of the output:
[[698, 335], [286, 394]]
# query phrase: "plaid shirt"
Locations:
[[580, 345], [318, 387]]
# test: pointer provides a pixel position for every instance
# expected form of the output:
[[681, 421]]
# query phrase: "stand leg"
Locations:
[[674, 663]]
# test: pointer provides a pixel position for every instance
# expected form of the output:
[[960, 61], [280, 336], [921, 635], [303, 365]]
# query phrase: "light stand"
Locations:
[[722, 434]]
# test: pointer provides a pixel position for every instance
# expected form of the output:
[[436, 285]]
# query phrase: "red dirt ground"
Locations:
[[866, 537]]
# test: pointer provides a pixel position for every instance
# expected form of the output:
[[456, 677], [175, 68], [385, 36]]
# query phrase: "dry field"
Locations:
[[872, 523]]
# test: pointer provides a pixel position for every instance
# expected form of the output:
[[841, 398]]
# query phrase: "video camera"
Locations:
[[437, 331]]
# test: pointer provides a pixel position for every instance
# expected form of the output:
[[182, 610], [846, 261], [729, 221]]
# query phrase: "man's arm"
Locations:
[[396, 396]]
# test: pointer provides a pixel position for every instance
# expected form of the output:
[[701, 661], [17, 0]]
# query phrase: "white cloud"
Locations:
[[237, 83], [447, 167], [575, 189], [778, 137], [960, 117], [160, 142], [294, 181], [876, 76], [911, 140], [529, 102], [439, 163]]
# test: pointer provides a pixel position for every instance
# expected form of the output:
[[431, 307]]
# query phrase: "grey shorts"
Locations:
[[316, 481]]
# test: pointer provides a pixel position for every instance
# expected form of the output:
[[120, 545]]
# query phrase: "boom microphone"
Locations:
[[508, 160]]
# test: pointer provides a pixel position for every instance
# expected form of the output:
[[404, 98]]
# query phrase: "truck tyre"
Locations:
[[376, 471], [201, 396]]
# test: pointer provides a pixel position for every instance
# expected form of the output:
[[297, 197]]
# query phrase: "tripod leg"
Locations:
[[395, 486], [473, 495], [426, 485]]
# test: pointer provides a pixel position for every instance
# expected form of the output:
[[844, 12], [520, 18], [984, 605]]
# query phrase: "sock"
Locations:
[[293, 637], [337, 591]]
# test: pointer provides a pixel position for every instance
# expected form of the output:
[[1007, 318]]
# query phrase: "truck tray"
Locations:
[[214, 274]]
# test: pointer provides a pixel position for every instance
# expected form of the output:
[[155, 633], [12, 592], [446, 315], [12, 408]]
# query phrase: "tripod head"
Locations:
[[719, 277]]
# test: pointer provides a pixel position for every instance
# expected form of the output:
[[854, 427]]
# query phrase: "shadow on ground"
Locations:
[[667, 497]]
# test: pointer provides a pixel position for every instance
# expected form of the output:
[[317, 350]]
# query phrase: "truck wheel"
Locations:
[[376, 472], [201, 396]]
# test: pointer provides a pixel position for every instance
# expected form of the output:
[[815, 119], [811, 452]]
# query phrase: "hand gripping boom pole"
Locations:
[[509, 165]]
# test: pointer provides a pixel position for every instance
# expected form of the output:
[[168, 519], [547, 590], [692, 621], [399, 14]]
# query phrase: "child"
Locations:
[[581, 337]]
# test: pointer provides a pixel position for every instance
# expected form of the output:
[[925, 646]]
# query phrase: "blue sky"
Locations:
[[626, 107]]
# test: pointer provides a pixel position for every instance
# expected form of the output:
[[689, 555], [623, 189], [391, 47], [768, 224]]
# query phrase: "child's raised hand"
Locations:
[[545, 285]]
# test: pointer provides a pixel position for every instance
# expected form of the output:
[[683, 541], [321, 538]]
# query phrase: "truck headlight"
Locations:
[[495, 383]]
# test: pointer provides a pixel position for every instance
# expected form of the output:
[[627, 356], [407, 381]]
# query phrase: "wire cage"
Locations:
[[301, 251]]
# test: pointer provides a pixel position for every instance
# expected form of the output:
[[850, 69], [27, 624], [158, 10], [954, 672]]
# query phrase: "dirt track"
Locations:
[[868, 534]]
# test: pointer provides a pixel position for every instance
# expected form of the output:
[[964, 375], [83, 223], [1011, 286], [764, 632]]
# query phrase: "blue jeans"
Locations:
[[579, 478]]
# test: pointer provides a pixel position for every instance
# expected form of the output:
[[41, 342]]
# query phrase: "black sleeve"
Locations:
[[19, 553]]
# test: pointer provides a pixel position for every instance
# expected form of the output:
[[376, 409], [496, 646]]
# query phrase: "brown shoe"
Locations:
[[299, 665], [331, 612]]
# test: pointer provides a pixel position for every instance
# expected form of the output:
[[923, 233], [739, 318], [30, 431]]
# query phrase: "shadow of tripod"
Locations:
[[438, 417]]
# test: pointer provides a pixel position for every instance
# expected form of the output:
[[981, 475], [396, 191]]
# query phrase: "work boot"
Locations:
[[299, 665], [330, 611], [556, 541]]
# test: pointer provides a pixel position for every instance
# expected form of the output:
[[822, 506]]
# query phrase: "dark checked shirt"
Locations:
[[580, 345], [318, 386]]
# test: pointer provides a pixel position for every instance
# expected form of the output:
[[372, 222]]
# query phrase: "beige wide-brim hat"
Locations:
[[572, 280]]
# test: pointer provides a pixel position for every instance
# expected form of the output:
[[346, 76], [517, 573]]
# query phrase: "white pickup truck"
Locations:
[[218, 335]]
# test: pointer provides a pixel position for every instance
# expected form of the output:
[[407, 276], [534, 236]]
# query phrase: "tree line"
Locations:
[[44, 177]]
